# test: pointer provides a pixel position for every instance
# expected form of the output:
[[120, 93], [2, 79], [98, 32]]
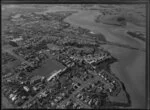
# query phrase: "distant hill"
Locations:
[[122, 19]]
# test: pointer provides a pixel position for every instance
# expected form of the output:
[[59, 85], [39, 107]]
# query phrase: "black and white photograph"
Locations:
[[74, 56]]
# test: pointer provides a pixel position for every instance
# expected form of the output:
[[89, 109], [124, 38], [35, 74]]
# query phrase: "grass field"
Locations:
[[47, 68]]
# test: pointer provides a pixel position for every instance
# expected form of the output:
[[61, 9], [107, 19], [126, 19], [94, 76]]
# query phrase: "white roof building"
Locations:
[[54, 74], [17, 39]]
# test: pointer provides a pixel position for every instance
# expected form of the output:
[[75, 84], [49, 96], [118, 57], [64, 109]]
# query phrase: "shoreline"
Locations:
[[121, 83], [135, 36], [118, 51]]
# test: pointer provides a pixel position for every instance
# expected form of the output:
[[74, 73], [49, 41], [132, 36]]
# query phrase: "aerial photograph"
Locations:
[[73, 56]]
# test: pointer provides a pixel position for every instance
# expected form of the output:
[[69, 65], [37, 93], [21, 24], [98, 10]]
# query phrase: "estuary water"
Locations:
[[130, 68]]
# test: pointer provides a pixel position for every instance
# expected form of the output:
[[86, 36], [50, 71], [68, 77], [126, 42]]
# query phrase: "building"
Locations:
[[36, 79], [55, 73], [12, 43], [16, 41]]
